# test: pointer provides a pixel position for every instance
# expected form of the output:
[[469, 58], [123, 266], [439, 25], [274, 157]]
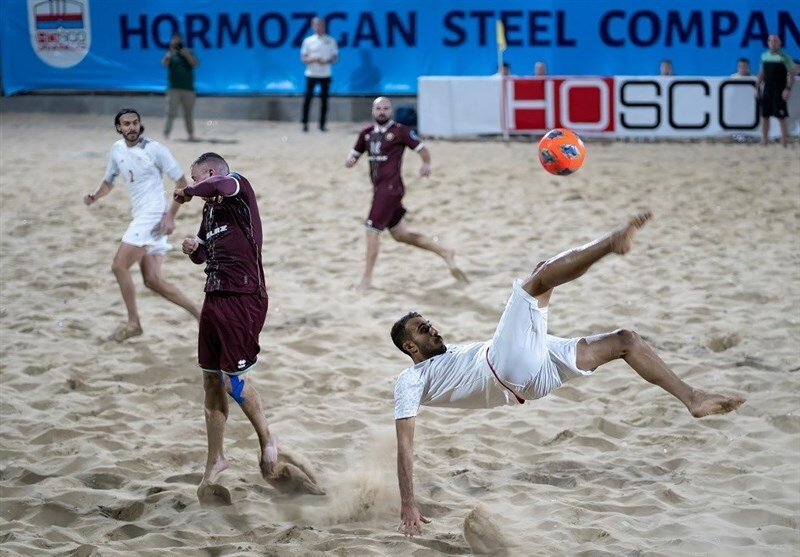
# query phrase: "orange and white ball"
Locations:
[[561, 151]]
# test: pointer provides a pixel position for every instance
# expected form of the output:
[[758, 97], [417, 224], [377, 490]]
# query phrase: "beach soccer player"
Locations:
[[385, 142], [521, 361], [140, 162]]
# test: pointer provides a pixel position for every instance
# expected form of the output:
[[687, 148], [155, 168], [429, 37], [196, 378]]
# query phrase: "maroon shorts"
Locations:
[[387, 210], [229, 329]]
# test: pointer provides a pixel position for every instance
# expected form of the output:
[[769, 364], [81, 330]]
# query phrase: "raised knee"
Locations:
[[627, 340], [153, 282], [400, 236], [535, 285], [118, 268], [541, 269]]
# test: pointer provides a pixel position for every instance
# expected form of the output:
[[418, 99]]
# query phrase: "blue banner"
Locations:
[[251, 47]]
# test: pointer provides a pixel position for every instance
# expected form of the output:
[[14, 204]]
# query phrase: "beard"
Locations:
[[381, 120], [435, 350]]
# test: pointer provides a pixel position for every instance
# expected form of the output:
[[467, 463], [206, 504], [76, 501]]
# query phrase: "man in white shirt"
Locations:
[[140, 162], [522, 362], [318, 52], [742, 69]]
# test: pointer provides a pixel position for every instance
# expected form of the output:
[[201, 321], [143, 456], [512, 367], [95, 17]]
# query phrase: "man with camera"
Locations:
[[180, 63]]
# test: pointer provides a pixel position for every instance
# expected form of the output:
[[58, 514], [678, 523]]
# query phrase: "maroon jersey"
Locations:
[[385, 146], [230, 236]]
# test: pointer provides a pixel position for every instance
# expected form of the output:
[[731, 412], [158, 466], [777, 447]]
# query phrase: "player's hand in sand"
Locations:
[[411, 521], [189, 245], [181, 196]]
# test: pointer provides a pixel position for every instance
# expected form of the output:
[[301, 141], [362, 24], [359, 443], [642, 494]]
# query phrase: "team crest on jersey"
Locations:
[[413, 135], [389, 136], [60, 31]]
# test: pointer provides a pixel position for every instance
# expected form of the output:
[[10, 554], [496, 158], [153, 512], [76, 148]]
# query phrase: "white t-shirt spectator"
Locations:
[[322, 47]]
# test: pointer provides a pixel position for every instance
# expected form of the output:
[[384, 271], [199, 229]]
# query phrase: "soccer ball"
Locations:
[[561, 151]]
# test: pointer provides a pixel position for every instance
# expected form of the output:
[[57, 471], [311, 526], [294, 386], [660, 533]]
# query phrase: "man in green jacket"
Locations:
[[180, 63]]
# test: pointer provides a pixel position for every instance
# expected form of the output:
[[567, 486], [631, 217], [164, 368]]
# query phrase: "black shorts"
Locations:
[[772, 104], [229, 328]]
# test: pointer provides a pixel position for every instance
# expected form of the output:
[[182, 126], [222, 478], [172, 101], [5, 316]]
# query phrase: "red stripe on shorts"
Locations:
[[519, 399]]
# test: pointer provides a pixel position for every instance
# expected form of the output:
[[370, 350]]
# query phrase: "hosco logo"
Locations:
[[60, 31], [541, 104], [630, 106]]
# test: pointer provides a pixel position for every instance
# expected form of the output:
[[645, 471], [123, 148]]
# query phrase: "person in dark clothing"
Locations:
[[235, 308], [776, 74], [180, 63]]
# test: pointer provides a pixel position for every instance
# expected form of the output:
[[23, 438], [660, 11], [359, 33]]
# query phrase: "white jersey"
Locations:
[[323, 47], [459, 378], [141, 168]]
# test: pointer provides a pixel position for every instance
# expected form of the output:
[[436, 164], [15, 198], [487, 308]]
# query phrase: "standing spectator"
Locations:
[[540, 68], [180, 63], [777, 75], [504, 70], [318, 52], [742, 68], [666, 67]]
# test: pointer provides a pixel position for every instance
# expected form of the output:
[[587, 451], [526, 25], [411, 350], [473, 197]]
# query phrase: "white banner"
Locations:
[[623, 106]]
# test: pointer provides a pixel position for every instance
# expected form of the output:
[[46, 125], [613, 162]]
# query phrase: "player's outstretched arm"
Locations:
[[102, 191], [352, 159], [425, 169], [411, 520], [167, 224]]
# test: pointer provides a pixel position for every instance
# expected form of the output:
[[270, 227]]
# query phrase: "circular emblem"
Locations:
[[389, 136], [60, 32]]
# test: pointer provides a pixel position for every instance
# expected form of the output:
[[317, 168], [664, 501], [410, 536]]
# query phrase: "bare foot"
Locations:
[[450, 259], [268, 458], [213, 495], [365, 284], [214, 470], [622, 238], [125, 331], [289, 478], [706, 404]]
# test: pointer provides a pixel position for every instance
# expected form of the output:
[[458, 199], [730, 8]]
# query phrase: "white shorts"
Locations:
[[524, 357], [140, 234]]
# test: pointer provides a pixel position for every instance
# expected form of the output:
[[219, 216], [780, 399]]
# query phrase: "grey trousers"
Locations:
[[184, 98]]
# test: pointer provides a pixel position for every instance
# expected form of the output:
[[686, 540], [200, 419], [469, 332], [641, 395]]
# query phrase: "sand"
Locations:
[[102, 444]]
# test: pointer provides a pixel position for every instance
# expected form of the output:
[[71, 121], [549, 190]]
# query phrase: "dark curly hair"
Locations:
[[399, 333]]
